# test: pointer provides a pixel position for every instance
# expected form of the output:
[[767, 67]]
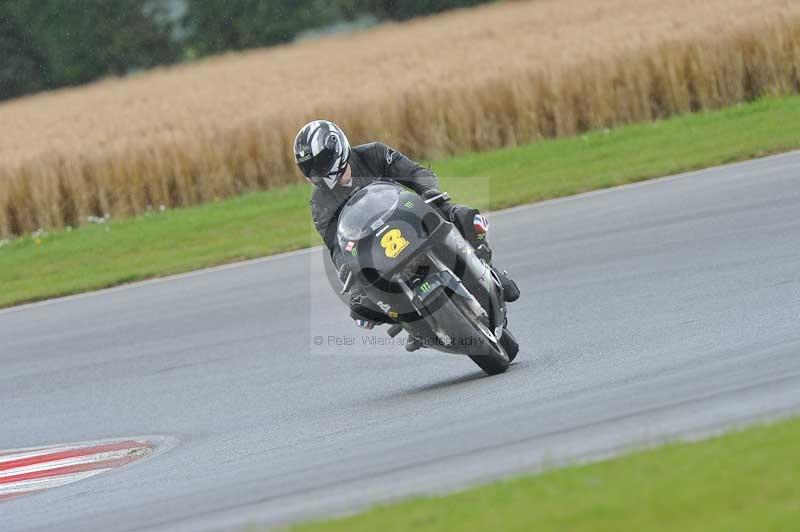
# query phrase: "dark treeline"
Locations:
[[45, 44]]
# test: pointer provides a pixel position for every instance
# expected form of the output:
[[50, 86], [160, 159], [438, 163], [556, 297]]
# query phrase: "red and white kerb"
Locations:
[[27, 471]]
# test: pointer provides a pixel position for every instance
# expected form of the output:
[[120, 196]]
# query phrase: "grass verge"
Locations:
[[97, 256], [745, 481]]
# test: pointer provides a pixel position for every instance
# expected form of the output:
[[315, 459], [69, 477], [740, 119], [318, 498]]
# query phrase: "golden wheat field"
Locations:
[[471, 79]]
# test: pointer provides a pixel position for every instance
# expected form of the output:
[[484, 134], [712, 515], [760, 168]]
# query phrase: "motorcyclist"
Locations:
[[336, 170]]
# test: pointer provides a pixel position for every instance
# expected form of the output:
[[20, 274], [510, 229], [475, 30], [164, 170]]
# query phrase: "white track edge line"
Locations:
[[24, 486]]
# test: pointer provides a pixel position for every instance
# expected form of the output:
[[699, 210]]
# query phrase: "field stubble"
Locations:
[[475, 79]]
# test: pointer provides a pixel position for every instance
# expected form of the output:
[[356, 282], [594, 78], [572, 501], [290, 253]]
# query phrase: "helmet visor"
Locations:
[[319, 166]]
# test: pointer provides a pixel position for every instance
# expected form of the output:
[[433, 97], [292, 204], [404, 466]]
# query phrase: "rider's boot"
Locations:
[[413, 344], [475, 227], [484, 252], [510, 288]]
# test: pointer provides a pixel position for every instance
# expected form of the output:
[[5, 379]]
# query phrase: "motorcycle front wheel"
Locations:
[[494, 360]]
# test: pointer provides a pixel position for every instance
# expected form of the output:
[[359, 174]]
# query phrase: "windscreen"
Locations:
[[367, 210]]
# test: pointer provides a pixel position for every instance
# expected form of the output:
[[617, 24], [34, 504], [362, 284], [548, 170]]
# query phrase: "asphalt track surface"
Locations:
[[663, 310]]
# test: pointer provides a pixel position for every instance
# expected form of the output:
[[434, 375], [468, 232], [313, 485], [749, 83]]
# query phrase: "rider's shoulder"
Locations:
[[363, 149], [371, 148]]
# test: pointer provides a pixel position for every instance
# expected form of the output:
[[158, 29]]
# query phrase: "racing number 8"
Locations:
[[393, 243]]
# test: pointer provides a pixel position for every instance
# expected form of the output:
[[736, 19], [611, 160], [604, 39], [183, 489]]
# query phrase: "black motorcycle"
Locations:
[[424, 276]]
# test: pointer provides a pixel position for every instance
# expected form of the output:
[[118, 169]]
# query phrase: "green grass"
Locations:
[[746, 481], [97, 256]]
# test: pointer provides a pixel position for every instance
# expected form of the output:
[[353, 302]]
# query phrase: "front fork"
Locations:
[[457, 286]]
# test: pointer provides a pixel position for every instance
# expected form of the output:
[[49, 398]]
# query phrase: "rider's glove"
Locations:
[[442, 203]]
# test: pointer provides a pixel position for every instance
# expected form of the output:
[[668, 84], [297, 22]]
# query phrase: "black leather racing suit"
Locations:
[[369, 163]]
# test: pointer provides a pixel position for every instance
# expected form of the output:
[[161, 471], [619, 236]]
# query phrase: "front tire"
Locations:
[[510, 345], [495, 361], [491, 364]]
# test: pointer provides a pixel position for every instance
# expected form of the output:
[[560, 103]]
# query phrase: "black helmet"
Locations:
[[322, 151]]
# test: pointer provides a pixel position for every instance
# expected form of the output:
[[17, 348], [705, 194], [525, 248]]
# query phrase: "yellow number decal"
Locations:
[[393, 243]]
